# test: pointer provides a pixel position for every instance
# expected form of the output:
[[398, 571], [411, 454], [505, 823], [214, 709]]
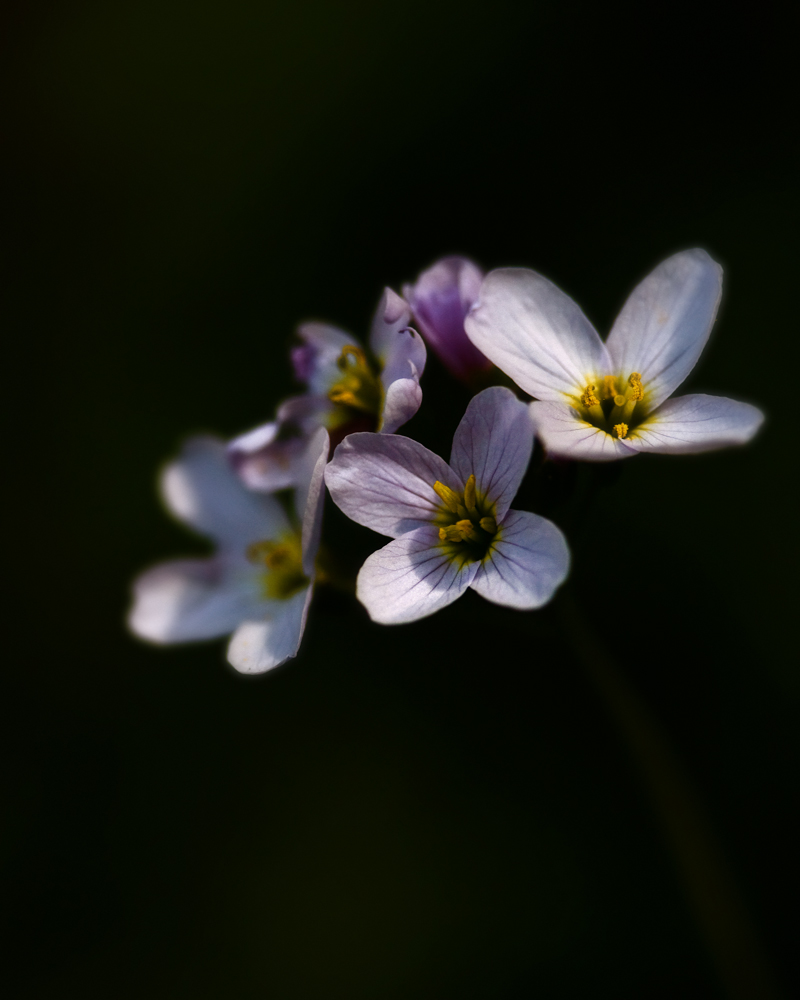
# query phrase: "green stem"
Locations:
[[712, 894]]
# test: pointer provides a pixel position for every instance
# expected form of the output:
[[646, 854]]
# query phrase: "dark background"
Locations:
[[419, 811]]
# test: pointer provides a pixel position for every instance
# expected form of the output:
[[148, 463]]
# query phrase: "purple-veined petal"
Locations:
[[411, 578], [259, 645], [664, 325], [191, 599], [564, 433], [526, 563], [310, 495], [536, 334], [697, 423], [315, 360], [494, 441], [392, 315], [402, 400], [440, 299], [385, 482], [202, 489]]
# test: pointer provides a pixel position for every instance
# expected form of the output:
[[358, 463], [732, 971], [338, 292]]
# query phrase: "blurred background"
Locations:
[[449, 808]]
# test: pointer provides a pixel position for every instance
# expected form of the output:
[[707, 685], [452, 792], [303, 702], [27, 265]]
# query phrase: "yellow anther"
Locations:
[[588, 397], [635, 382], [470, 497], [450, 498], [489, 525], [467, 529], [609, 386], [453, 532], [357, 354], [620, 430], [358, 387]]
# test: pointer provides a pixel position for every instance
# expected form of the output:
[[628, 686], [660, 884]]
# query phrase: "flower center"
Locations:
[[467, 523], [613, 410], [283, 574], [359, 386]]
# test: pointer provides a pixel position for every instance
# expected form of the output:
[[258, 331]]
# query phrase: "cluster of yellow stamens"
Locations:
[[468, 520], [283, 561], [612, 411], [359, 387]]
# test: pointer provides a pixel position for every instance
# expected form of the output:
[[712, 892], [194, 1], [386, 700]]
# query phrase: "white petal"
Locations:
[[697, 423], [385, 482], [565, 434], [392, 315], [189, 599], [525, 565], [411, 578], [264, 463], [203, 490], [325, 345], [259, 645], [494, 441], [664, 325], [536, 334], [402, 400], [310, 495]]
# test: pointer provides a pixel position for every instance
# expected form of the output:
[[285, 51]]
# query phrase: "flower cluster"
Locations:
[[260, 497]]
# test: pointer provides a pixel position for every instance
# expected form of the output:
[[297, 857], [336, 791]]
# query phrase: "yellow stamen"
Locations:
[[620, 430], [358, 387], [489, 525], [451, 499], [470, 497], [609, 387], [635, 382], [588, 397]]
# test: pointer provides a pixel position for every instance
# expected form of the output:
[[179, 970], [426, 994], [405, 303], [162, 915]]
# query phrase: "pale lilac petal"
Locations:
[[310, 495], [259, 645], [402, 400], [536, 334], [440, 299], [263, 461], [410, 578], [202, 489], [385, 482], [563, 432], [664, 325], [494, 441], [526, 563], [697, 423], [315, 361], [190, 599], [392, 315]]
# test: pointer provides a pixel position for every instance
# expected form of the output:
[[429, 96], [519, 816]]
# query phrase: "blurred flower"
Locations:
[[349, 382], [258, 584], [451, 525], [601, 401], [440, 299]]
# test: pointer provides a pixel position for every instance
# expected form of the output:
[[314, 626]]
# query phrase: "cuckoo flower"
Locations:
[[601, 401], [440, 299], [258, 583], [350, 383], [451, 524]]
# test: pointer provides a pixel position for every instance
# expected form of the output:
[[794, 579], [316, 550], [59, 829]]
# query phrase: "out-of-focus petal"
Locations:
[[262, 462], [697, 423], [402, 400], [202, 489], [526, 563], [664, 325], [385, 482], [440, 299], [494, 441], [260, 645], [315, 360], [536, 334], [189, 599], [410, 578], [564, 433], [310, 495], [392, 315]]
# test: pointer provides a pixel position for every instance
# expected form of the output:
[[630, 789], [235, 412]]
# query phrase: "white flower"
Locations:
[[451, 525], [601, 401], [258, 584]]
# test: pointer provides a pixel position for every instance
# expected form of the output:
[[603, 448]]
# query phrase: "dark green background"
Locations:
[[420, 811]]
